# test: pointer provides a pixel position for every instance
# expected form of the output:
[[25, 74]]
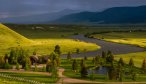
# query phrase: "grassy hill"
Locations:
[[9, 38]]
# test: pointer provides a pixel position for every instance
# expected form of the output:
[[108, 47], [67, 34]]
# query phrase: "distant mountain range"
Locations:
[[38, 19], [115, 15]]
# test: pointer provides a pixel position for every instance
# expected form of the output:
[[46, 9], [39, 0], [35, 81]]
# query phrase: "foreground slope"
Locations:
[[9, 38]]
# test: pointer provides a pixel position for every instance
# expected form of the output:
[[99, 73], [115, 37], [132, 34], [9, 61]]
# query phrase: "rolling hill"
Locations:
[[9, 36], [116, 15]]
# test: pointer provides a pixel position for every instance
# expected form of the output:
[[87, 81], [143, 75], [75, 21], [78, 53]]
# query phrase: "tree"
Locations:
[[57, 49], [12, 58], [112, 73], [83, 71], [2, 61], [121, 62], [7, 65], [93, 60], [27, 64], [144, 66], [74, 65], [110, 57], [58, 61], [82, 62], [49, 66], [103, 54], [131, 63], [120, 72], [69, 56], [77, 50], [85, 58], [97, 60]]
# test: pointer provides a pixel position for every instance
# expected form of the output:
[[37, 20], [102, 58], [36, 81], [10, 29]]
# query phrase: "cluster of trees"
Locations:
[[117, 70], [17, 56]]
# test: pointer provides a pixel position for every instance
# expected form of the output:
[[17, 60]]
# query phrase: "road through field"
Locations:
[[116, 48]]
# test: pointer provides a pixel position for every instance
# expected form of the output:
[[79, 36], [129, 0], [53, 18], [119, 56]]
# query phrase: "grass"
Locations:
[[98, 77], [137, 58], [35, 77], [9, 81], [133, 38], [43, 46]]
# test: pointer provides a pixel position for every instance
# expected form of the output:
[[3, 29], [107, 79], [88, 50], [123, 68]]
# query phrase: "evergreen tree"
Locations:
[[2, 61], [120, 72], [103, 54], [27, 64], [58, 61], [82, 62], [97, 61], [77, 50], [49, 66], [54, 74], [144, 66], [74, 65], [121, 62], [7, 65], [57, 49], [83, 71], [85, 58], [131, 63], [110, 57], [69, 56], [93, 60]]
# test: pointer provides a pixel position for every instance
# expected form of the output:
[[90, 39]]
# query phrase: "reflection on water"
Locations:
[[99, 70]]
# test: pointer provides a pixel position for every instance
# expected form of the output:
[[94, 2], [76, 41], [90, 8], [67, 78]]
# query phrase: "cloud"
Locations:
[[29, 7]]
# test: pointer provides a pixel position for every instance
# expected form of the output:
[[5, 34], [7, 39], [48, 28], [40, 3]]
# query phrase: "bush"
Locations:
[[7, 66], [17, 66]]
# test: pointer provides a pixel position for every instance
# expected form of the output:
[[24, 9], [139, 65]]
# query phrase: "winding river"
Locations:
[[116, 48]]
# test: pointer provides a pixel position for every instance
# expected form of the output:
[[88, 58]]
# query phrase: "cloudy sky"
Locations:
[[10, 8]]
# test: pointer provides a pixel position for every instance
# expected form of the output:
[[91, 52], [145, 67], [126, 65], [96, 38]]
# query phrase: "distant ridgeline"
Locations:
[[116, 15]]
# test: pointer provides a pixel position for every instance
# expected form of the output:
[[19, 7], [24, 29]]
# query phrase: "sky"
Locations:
[[12, 8]]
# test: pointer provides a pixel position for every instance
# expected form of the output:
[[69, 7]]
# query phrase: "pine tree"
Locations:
[[83, 71], [103, 54], [74, 65], [93, 60], [77, 50], [131, 63], [85, 58], [58, 61], [69, 56], [121, 62], [27, 64], [144, 66], [49, 66], [82, 62], [57, 49]]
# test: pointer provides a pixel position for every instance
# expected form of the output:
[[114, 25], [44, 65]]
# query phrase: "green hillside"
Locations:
[[9, 38]]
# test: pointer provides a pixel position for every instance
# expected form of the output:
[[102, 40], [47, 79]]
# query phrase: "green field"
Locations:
[[43, 46], [137, 58], [134, 38], [42, 78]]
